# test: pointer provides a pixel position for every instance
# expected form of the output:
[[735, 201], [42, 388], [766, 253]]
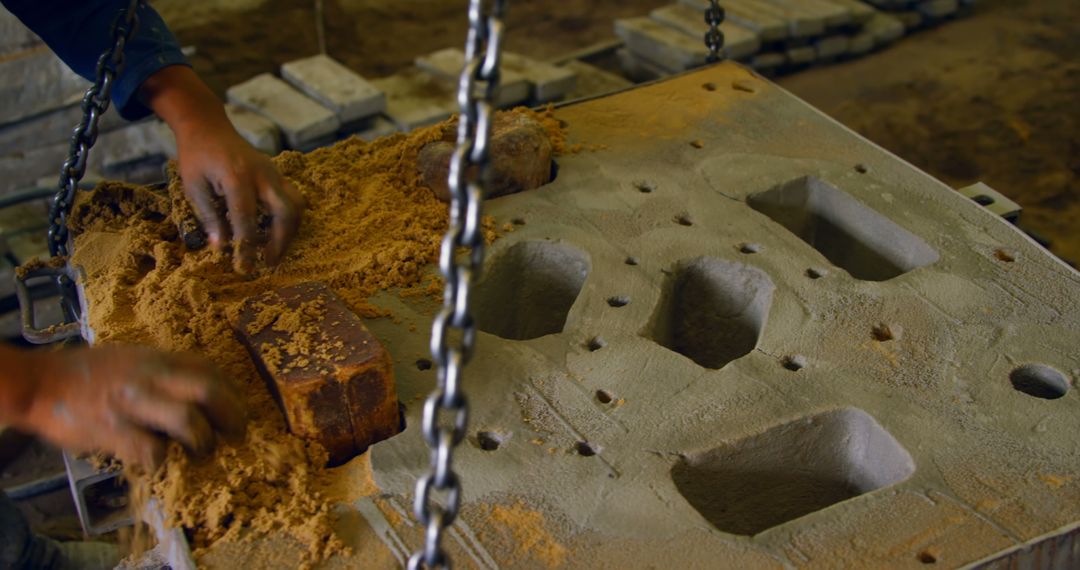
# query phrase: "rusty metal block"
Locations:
[[332, 378]]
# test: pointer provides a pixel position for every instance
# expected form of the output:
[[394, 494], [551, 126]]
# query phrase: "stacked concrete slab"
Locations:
[[770, 34]]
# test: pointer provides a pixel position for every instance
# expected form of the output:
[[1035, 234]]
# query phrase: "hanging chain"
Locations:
[[453, 334], [94, 104], [714, 38]]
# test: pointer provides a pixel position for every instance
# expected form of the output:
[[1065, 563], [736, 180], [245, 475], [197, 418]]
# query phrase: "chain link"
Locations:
[[94, 104], [453, 334], [714, 38]]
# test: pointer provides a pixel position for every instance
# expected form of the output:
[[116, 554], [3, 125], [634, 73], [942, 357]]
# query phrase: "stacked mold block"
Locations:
[[315, 102], [769, 34]]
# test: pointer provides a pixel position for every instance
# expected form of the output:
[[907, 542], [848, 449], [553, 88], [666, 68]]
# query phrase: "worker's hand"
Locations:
[[215, 160], [129, 401], [219, 162]]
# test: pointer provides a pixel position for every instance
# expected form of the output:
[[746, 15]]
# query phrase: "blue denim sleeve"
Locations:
[[78, 31]]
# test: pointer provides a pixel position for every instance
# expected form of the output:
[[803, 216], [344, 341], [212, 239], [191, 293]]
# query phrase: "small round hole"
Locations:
[[684, 220], [586, 449], [618, 301], [816, 273], [750, 248], [983, 200], [596, 343], [604, 397], [861, 168], [423, 364], [632, 261], [709, 86], [1040, 381], [1005, 256], [884, 332], [489, 440], [645, 187], [518, 221], [795, 362], [927, 558], [697, 143]]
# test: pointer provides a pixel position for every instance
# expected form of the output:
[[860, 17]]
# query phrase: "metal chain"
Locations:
[[714, 38], [453, 335], [94, 104]]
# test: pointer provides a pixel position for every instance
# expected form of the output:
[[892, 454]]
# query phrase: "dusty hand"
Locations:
[[220, 162], [128, 401]]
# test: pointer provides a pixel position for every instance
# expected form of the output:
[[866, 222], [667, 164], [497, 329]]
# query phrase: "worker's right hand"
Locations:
[[129, 401]]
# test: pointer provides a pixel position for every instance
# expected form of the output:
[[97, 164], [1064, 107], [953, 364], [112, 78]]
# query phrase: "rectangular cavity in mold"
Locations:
[[791, 470], [847, 232]]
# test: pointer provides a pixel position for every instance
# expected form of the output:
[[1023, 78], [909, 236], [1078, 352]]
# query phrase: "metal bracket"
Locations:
[[992, 200], [31, 332]]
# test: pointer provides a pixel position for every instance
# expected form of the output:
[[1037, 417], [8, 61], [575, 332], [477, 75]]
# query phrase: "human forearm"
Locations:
[[17, 384], [181, 99]]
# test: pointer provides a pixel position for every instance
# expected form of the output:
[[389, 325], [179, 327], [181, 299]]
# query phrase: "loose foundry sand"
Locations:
[[732, 334]]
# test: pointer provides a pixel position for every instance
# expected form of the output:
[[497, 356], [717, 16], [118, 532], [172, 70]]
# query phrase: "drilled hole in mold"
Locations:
[[712, 311], [518, 221], [750, 248], [847, 232], [1004, 255], [1040, 381], [927, 558], [709, 86], [632, 261], [884, 332], [983, 200], [490, 440], [795, 362], [618, 301], [423, 364], [596, 343], [684, 220], [791, 470], [604, 397], [816, 273], [645, 187], [586, 449], [530, 290], [861, 168]]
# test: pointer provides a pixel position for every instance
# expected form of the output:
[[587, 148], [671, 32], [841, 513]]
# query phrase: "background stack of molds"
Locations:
[[770, 35]]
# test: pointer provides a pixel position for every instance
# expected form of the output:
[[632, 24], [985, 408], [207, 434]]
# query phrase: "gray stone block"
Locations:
[[938, 9], [832, 46], [671, 49], [257, 130], [831, 15], [767, 61], [300, 118], [379, 128], [739, 42], [802, 55], [547, 82], [860, 11], [447, 64], [36, 82], [137, 152], [885, 28], [337, 87], [14, 36], [639, 68], [415, 98], [800, 23], [765, 23], [911, 18], [861, 43]]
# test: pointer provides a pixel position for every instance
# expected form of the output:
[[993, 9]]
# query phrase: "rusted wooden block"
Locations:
[[332, 378]]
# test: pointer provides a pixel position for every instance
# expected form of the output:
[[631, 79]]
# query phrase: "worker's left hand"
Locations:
[[219, 162]]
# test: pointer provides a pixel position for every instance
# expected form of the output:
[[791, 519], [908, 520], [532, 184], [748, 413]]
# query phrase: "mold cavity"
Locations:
[[604, 397], [816, 273], [632, 261], [596, 343], [618, 301], [423, 364], [791, 470], [586, 449], [927, 558], [1003, 255], [489, 440], [645, 187], [712, 311], [530, 289], [1040, 381], [684, 220], [518, 221], [749, 248], [851, 235], [861, 168], [795, 362]]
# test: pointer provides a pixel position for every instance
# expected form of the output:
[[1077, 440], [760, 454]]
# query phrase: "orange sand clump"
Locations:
[[370, 225]]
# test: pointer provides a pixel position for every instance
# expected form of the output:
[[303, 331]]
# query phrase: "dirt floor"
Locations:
[[990, 98]]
